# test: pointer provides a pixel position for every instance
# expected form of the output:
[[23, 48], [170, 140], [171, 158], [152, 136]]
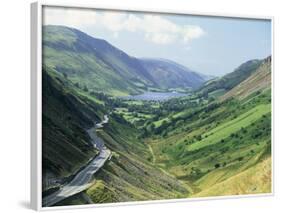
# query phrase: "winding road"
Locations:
[[82, 180]]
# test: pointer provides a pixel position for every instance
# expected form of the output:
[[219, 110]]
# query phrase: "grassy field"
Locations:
[[217, 93], [226, 129], [207, 155], [132, 117]]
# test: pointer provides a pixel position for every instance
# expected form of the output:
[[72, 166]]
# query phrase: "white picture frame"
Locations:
[[36, 101]]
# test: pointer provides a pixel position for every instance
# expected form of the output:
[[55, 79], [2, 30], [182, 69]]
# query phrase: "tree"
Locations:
[[240, 158], [211, 99], [77, 85], [244, 131], [198, 137], [217, 165], [164, 133], [85, 88], [150, 127]]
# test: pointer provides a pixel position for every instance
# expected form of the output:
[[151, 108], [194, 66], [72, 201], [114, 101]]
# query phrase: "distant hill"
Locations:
[[169, 74], [96, 64], [229, 81], [257, 81]]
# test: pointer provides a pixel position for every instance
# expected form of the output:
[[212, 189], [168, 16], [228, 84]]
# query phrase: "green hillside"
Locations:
[[259, 80], [97, 65], [129, 176], [88, 62], [256, 179], [229, 81]]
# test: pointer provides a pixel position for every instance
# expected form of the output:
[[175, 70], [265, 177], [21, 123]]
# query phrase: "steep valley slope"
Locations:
[[258, 81], [129, 176], [66, 114], [231, 80]]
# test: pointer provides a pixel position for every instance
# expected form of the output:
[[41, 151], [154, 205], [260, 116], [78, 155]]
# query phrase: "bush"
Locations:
[[77, 85], [240, 158], [198, 137], [244, 131], [85, 88], [217, 165]]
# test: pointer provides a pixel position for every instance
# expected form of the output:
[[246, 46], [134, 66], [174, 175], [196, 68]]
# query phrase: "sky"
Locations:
[[209, 45]]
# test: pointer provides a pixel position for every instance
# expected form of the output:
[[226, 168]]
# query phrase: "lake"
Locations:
[[156, 96]]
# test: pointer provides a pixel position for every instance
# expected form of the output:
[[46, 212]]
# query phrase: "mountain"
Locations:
[[92, 62], [257, 81], [229, 81], [169, 74], [96, 64]]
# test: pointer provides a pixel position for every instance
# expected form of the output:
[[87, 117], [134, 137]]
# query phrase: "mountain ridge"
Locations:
[[232, 79], [173, 73], [256, 82], [97, 64]]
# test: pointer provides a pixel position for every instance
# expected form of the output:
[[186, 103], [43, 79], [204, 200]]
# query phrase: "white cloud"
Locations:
[[154, 28], [187, 48], [115, 35], [192, 32], [160, 38], [112, 21], [132, 22], [69, 17]]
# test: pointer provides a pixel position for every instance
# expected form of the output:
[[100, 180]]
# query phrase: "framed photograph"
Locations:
[[134, 106]]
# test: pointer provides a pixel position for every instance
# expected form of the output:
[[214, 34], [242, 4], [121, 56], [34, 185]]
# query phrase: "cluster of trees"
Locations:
[[84, 88], [175, 122]]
